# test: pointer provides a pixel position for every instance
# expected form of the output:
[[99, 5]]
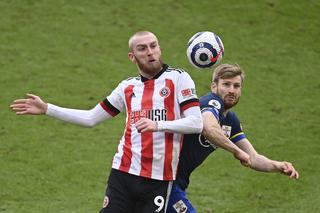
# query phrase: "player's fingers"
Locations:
[[286, 165], [18, 109], [24, 112], [145, 128], [20, 101], [291, 175], [17, 105], [249, 162], [294, 175], [140, 126], [245, 163], [140, 122], [32, 96]]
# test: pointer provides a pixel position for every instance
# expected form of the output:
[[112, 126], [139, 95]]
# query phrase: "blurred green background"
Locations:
[[73, 53]]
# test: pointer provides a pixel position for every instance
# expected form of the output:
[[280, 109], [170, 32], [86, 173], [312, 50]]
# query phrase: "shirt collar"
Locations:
[[164, 68]]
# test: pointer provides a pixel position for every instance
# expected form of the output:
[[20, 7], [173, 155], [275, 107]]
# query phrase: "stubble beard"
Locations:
[[150, 68], [228, 104]]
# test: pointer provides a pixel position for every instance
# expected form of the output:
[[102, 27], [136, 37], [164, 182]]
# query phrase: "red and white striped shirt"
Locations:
[[151, 154]]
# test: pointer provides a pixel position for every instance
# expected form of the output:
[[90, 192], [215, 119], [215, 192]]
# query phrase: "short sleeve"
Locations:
[[213, 104], [236, 130]]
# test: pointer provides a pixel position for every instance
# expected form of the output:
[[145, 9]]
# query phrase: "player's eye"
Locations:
[[153, 45], [141, 48]]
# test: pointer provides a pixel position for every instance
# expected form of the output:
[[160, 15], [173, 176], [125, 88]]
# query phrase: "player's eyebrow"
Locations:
[[151, 43]]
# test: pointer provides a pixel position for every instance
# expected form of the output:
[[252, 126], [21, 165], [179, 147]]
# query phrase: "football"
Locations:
[[205, 50]]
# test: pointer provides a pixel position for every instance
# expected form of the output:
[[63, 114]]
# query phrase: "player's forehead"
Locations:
[[144, 39], [235, 79]]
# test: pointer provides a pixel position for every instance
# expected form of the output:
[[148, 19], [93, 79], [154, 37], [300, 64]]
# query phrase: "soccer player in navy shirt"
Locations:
[[222, 128]]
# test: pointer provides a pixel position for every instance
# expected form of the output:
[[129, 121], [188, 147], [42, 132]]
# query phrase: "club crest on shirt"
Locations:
[[164, 92], [180, 207], [226, 130]]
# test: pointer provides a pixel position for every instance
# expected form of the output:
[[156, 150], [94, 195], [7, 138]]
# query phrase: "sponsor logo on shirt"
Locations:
[[226, 130], [186, 93], [180, 207], [152, 114], [205, 142]]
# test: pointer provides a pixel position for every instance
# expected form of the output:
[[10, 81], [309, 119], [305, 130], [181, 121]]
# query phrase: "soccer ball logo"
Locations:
[[205, 50]]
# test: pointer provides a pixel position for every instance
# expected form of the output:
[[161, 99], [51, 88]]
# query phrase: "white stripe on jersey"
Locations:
[[154, 154]]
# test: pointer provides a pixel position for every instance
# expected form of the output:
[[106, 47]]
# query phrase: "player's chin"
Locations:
[[229, 104], [152, 68], [156, 64]]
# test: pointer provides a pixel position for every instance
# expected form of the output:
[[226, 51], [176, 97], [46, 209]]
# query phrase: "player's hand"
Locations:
[[243, 157], [288, 169], [146, 125], [33, 105]]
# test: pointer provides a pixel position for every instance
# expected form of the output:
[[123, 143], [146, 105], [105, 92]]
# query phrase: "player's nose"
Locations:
[[149, 51], [231, 89]]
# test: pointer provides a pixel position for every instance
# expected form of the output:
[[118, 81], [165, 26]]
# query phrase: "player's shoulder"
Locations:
[[178, 74], [211, 100], [130, 80], [175, 70], [136, 78]]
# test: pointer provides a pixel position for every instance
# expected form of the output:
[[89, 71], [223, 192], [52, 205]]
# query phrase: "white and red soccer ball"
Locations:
[[205, 50]]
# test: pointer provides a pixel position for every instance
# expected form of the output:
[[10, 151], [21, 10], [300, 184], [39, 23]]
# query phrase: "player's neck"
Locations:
[[226, 112], [150, 74]]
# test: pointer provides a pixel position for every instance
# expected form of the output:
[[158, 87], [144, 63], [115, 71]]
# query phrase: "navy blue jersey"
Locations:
[[196, 148]]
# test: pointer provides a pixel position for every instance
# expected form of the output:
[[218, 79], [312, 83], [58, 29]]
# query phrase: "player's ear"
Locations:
[[131, 57], [213, 87]]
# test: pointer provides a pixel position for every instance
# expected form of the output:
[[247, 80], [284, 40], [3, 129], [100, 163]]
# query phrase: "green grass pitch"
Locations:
[[73, 53]]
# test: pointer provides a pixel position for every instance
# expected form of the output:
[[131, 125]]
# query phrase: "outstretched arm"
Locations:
[[213, 132], [264, 164], [33, 105]]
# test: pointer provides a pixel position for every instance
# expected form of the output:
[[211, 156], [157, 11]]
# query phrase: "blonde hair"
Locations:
[[225, 71], [139, 33]]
